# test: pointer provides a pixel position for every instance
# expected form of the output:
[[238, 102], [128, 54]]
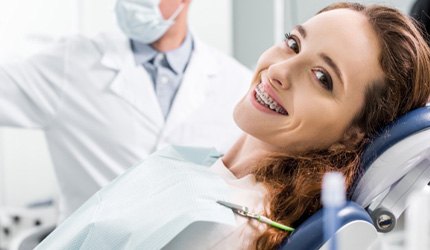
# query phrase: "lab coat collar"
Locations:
[[115, 50], [132, 82], [192, 93], [178, 58]]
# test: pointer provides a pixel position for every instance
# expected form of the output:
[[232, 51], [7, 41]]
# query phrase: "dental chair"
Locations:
[[395, 164]]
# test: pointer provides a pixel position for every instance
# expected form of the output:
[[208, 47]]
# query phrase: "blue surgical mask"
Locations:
[[141, 20]]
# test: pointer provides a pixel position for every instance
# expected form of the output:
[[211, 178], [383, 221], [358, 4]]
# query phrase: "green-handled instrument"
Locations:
[[244, 211]]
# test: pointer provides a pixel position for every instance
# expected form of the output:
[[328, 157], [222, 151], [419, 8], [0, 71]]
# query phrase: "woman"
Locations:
[[315, 102], [382, 73]]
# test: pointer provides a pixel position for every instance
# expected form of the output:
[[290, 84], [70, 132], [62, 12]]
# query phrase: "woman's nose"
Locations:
[[278, 76]]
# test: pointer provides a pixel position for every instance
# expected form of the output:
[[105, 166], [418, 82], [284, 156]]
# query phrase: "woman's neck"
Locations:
[[244, 156]]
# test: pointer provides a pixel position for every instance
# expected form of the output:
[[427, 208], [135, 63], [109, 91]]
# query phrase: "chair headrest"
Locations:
[[392, 154], [406, 125]]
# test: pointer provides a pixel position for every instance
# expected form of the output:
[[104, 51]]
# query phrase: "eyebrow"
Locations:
[[332, 64], [325, 57], [301, 30]]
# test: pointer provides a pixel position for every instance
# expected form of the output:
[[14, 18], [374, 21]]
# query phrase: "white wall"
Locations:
[[27, 168], [25, 25], [212, 21]]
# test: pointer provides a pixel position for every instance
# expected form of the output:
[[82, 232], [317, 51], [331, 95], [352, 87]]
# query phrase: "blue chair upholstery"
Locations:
[[413, 122], [309, 235]]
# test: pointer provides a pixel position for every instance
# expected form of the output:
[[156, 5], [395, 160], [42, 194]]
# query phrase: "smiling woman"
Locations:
[[315, 102], [319, 82]]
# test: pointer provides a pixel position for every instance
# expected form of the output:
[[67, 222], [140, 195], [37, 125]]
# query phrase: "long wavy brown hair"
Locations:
[[294, 182]]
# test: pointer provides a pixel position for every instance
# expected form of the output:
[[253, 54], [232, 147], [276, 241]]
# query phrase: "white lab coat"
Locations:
[[100, 113]]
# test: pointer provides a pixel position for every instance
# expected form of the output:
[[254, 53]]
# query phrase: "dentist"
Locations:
[[107, 102]]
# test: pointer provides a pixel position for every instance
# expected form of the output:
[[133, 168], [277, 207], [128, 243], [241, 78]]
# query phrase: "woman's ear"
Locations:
[[353, 136]]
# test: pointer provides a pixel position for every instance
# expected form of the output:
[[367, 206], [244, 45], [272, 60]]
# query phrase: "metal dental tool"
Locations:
[[244, 211]]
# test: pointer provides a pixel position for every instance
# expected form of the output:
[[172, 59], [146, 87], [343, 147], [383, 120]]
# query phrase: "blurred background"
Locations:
[[240, 28]]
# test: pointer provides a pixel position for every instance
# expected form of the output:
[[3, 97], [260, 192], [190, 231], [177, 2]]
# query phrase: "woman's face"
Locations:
[[307, 90]]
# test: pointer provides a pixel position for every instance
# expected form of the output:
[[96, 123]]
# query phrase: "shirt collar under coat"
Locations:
[[177, 58]]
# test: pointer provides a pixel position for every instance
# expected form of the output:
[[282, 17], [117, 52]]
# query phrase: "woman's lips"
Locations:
[[269, 90], [263, 101]]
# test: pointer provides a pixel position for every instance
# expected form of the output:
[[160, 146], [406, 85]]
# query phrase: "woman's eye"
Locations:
[[324, 79], [292, 43]]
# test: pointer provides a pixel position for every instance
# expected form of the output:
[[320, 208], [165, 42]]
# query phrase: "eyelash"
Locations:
[[289, 37], [327, 82]]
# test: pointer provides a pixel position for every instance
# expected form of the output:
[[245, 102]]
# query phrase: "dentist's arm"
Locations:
[[30, 91]]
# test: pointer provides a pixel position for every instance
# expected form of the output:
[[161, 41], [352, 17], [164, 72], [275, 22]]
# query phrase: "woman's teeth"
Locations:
[[264, 98]]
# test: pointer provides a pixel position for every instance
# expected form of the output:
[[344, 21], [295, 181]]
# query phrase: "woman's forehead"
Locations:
[[348, 38], [339, 22]]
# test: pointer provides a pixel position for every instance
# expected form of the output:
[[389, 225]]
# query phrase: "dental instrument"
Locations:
[[244, 211]]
